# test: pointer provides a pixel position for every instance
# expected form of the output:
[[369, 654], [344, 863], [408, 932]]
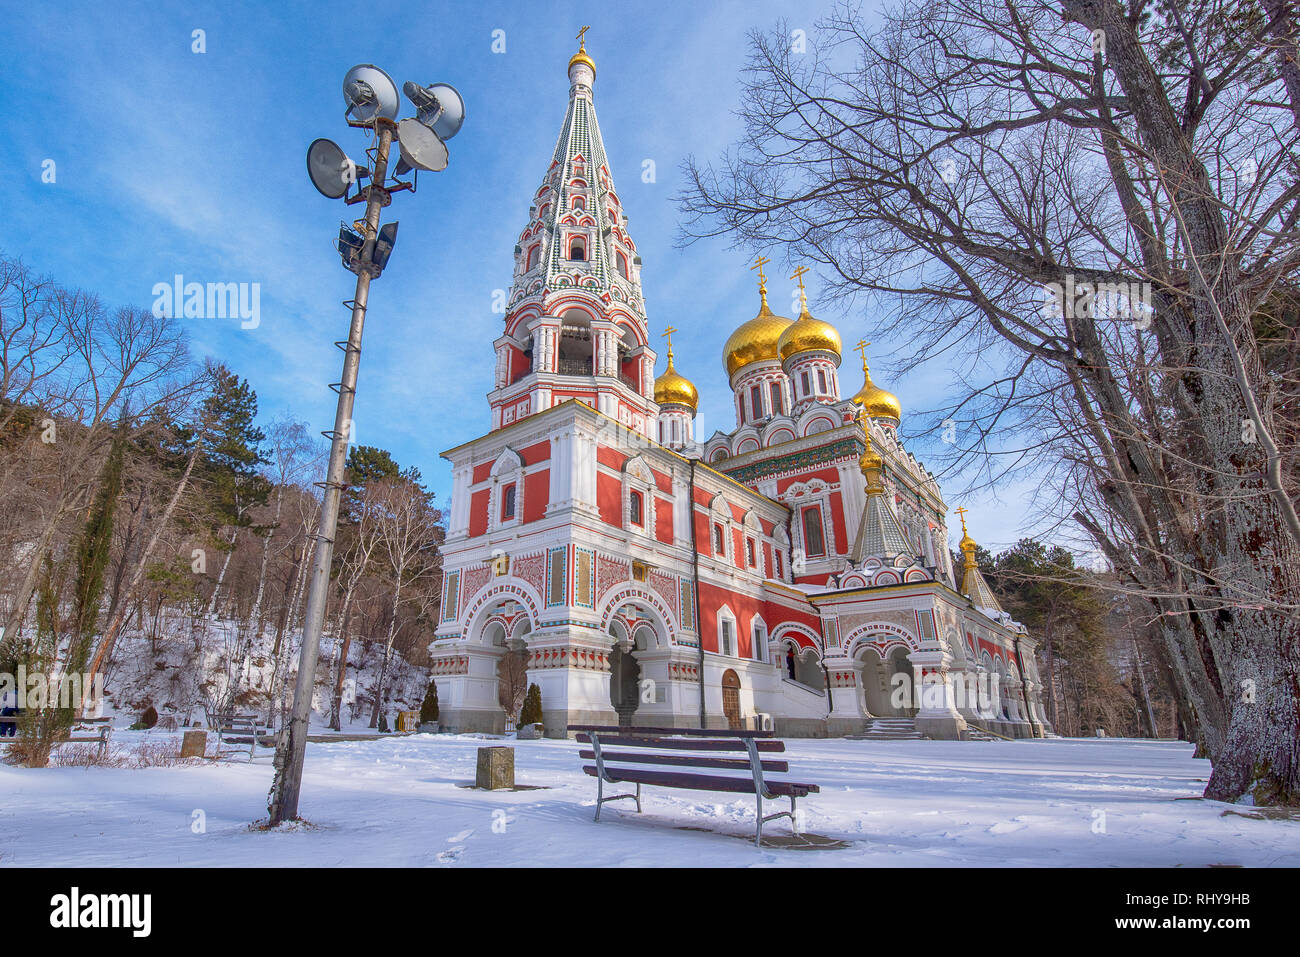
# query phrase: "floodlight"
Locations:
[[331, 172], [370, 92], [438, 106], [420, 147], [384, 243], [349, 244]]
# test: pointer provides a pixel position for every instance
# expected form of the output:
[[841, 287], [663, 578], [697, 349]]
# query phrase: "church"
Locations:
[[793, 573]]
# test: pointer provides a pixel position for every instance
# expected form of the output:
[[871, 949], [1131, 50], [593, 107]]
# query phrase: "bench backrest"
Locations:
[[681, 748]]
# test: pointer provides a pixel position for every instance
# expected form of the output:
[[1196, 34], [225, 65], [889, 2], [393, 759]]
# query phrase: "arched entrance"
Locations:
[[881, 690], [624, 684], [512, 665], [731, 700]]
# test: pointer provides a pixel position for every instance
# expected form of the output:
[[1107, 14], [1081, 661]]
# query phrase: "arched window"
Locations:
[[533, 255], [813, 542], [622, 265], [578, 202], [636, 509], [778, 408], [759, 647], [756, 400], [719, 548], [750, 557], [578, 248], [821, 381], [803, 378], [508, 503]]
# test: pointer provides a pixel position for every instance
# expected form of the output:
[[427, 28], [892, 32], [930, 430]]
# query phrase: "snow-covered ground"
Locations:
[[401, 801]]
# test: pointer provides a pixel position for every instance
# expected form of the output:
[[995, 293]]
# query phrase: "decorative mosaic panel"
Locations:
[[476, 578], [451, 595], [584, 578], [688, 607], [610, 572], [557, 565], [530, 568], [666, 586]]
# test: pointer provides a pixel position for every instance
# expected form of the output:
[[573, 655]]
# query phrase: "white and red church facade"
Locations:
[[795, 570]]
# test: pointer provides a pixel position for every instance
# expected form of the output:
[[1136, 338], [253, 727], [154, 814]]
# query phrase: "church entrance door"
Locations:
[[731, 700]]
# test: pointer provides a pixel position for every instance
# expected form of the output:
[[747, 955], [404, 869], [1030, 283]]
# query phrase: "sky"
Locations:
[[168, 160]]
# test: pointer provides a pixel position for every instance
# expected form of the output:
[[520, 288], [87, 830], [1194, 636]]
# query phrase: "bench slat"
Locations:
[[692, 732], [701, 782], [682, 760], [681, 744]]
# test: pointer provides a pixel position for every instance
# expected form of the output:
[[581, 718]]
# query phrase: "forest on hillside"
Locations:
[[153, 523]]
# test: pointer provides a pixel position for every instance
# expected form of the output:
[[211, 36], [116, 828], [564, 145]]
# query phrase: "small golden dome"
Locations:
[[581, 55], [755, 340], [672, 388], [807, 334], [877, 402]]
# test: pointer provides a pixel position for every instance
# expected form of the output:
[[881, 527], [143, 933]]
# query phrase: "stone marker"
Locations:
[[496, 768], [194, 744]]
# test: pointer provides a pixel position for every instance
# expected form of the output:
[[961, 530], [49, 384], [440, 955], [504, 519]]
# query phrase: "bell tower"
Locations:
[[575, 326]]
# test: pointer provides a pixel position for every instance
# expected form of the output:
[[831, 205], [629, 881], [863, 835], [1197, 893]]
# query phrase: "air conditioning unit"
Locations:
[[762, 722]]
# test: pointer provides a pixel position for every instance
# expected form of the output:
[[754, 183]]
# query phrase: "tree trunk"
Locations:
[[137, 576]]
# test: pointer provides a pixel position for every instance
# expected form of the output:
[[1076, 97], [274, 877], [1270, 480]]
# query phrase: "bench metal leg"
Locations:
[[794, 821]]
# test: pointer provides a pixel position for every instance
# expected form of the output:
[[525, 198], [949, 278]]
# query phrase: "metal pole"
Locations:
[[292, 746]]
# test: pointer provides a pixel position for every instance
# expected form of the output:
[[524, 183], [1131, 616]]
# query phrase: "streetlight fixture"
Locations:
[[372, 104]]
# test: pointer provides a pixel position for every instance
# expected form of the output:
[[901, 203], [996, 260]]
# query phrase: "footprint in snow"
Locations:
[[462, 836], [449, 856]]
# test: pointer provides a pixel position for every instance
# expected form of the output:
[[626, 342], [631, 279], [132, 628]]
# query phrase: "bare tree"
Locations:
[[1105, 202]]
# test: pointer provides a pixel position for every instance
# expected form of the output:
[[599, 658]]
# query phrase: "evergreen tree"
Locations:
[[429, 708], [532, 710], [92, 554]]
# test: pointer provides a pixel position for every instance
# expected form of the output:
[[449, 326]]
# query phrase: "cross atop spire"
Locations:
[[668, 334], [861, 348], [961, 512], [803, 295], [582, 43], [759, 263]]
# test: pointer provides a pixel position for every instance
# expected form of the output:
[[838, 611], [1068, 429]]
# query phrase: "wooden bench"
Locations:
[[240, 728], [672, 748], [93, 735]]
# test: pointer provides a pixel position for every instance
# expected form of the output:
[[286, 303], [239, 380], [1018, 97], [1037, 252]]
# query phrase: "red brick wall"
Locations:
[[537, 494]]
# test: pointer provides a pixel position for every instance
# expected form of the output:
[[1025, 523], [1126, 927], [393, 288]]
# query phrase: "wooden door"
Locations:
[[731, 700]]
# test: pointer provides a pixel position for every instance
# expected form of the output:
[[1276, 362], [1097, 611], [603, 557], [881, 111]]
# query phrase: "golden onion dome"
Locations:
[[672, 388], [754, 341], [807, 334], [877, 402], [581, 57]]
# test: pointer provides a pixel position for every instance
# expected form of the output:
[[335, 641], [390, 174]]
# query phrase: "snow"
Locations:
[[402, 801]]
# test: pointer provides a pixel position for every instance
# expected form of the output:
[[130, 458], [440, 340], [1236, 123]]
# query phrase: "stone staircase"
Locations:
[[889, 729], [973, 733]]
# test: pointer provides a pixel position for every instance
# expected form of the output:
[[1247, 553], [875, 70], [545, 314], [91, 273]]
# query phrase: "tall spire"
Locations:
[[973, 585], [759, 263], [880, 533]]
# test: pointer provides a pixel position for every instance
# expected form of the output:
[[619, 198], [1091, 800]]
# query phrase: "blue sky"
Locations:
[[169, 161]]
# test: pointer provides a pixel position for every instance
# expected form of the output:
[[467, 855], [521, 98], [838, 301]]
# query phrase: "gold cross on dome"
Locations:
[[759, 263], [861, 348], [961, 512], [798, 274], [668, 334], [582, 43]]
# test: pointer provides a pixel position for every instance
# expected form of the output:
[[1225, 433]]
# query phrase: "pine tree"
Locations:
[[429, 709], [532, 710]]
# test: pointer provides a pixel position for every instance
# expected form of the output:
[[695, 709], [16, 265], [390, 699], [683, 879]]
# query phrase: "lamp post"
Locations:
[[372, 97]]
